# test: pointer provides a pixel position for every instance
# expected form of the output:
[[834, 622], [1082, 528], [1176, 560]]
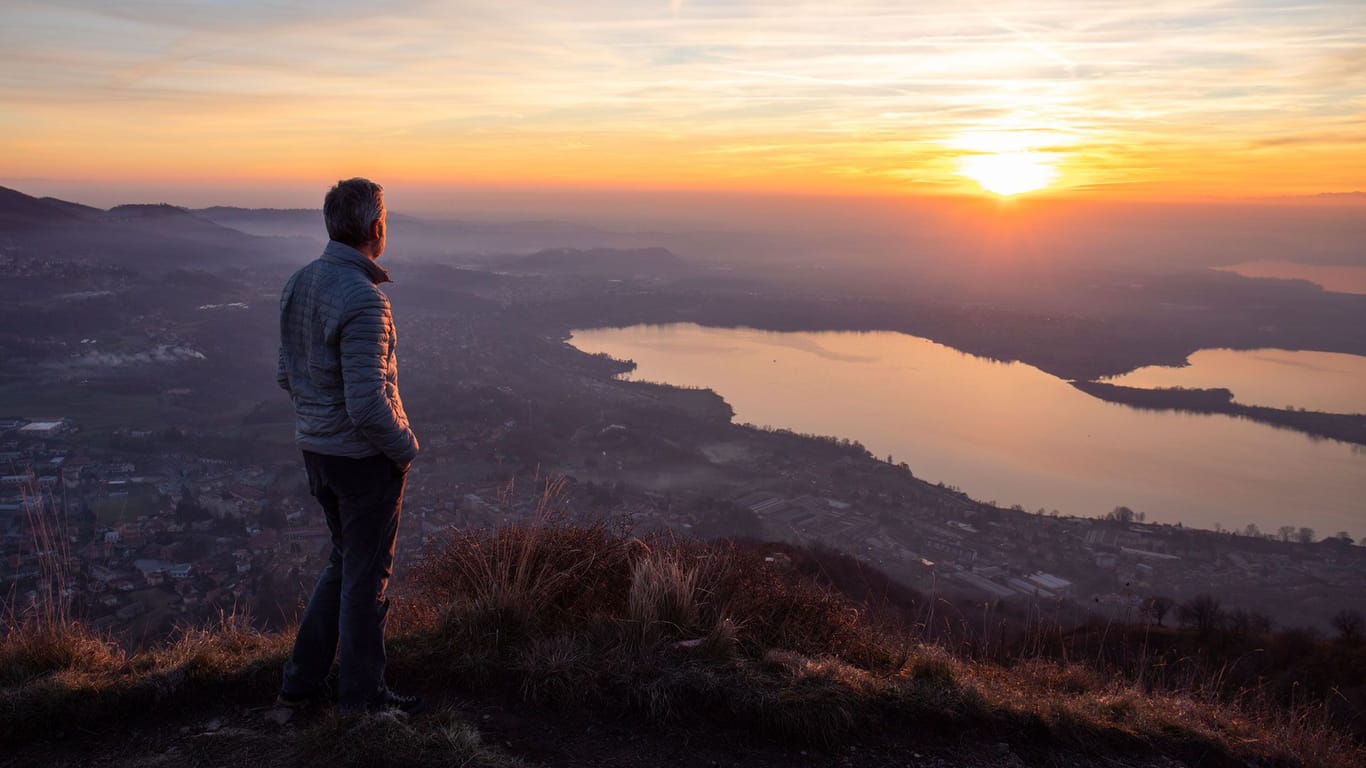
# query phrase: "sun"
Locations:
[[1009, 173]]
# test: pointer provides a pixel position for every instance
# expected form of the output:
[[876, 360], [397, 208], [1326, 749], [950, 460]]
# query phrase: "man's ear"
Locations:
[[376, 227]]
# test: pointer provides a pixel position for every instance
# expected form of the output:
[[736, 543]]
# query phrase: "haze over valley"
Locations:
[[146, 334]]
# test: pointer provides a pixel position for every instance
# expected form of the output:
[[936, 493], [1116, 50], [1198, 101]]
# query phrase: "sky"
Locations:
[[1158, 100]]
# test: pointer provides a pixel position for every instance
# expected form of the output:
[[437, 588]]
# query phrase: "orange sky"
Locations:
[[1160, 100]]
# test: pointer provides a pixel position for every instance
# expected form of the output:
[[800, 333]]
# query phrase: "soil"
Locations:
[[239, 732]]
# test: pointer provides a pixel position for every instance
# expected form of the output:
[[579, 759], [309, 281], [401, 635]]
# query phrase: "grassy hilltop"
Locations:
[[571, 645]]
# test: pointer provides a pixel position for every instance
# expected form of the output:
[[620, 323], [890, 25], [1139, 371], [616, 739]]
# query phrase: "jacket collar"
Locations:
[[341, 253]]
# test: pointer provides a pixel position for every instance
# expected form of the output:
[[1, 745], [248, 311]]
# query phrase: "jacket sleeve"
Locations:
[[281, 370], [365, 336], [281, 373]]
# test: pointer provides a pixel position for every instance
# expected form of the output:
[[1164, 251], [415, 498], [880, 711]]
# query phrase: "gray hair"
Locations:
[[350, 208]]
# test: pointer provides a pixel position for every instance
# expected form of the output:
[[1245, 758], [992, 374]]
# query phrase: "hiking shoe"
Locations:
[[390, 701], [300, 700]]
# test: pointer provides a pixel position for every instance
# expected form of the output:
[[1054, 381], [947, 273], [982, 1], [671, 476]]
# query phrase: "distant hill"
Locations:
[[171, 220], [74, 209], [148, 211], [634, 262], [432, 238], [152, 238], [159, 237], [18, 210]]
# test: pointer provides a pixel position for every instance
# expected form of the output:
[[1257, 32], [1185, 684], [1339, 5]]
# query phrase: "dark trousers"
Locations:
[[361, 499]]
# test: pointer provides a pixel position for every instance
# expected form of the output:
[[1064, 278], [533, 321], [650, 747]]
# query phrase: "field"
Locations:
[[124, 507]]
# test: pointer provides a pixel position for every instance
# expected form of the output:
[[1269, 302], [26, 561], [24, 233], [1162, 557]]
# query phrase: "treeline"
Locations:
[[1349, 428]]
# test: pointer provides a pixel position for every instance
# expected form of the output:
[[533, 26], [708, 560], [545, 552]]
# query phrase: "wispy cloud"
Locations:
[[1166, 92]]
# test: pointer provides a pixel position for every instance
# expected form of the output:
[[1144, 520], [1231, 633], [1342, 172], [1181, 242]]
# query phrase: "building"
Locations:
[[43, 428], [983, 584], [1047, 582]]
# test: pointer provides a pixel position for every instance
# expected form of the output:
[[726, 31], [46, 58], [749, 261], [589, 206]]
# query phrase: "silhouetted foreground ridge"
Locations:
[[566, 645]]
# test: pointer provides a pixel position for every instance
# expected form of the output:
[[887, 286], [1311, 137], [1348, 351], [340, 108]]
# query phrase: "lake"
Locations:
[[1007, 432], [1340, 278], [1275, 378]]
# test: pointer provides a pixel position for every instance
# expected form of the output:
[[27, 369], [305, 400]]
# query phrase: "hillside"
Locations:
[[566, 646], [20, 210], [41, 234]]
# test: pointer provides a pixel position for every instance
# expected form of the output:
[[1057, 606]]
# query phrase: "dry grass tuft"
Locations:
[[32, 647], [541, 573], [662, 598], [221, 648], [555, 670], [932, 665], [45, 637], [85, 679], [722, 641]]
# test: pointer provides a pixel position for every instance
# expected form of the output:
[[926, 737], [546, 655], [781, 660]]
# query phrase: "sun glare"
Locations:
[[1009, 173]]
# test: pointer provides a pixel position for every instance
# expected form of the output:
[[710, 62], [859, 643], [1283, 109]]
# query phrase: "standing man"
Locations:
[[337, 363]]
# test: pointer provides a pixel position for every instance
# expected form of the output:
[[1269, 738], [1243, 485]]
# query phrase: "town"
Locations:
[[141, 535]]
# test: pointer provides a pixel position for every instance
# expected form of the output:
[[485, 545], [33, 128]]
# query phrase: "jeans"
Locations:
[[361, 499]]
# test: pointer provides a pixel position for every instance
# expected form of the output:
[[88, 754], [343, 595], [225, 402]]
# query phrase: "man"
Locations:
[[337, 363]]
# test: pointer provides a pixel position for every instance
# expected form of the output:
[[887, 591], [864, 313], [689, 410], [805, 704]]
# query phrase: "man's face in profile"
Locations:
[[383, 233]]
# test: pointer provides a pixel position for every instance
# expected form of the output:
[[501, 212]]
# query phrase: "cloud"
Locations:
[[478, 84], [1319, 139]]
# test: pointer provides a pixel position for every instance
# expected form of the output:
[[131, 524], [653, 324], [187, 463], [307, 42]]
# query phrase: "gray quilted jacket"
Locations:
[[337, 359]]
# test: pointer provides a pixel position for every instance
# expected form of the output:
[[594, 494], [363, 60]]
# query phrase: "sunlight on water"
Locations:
[[1006, 432]]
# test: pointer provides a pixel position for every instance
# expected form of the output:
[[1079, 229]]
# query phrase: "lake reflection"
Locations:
[[1006, 431]]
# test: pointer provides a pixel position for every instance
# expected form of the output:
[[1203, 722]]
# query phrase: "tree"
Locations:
[[1121, 515], [1349, 625], [1252, 531], [1244, 624], [1157, 607], [1203, 613], [273, 516], [1305, 535], [188, 509], [1286, 532]]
